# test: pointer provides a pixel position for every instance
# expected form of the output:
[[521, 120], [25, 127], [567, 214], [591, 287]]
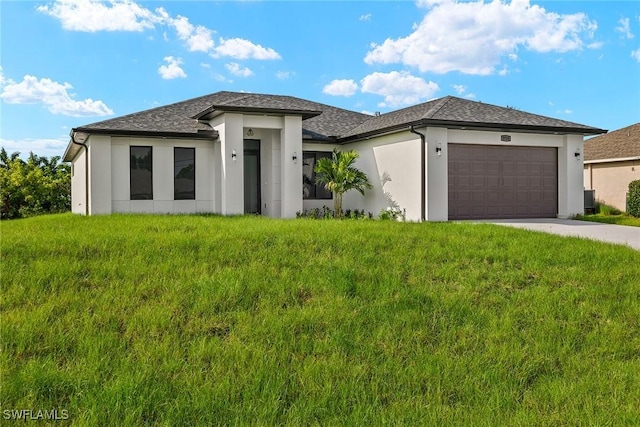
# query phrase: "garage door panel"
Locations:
[[502, 182]]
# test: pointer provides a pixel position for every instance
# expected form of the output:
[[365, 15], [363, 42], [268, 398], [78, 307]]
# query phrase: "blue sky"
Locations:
[[67, 63]]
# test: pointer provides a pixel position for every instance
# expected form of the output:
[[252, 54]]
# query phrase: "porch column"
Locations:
[[232, 169], [571, 177], [290, 169]]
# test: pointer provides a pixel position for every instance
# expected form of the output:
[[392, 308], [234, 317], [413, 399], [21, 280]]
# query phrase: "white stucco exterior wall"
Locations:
[[79, 183], [392, 163], [99, 174], [163, 164]]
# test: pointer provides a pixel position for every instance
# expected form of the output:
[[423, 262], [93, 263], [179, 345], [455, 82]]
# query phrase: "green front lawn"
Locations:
[[203, 320], [622, 219]]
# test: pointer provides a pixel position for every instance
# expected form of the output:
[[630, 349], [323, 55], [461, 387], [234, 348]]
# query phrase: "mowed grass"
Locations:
[[203, 320], [612, 219]]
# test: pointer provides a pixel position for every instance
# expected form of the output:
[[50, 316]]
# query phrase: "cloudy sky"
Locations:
[[67, 63]]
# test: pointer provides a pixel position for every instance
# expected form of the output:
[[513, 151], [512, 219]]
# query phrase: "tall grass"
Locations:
[[201, 320]]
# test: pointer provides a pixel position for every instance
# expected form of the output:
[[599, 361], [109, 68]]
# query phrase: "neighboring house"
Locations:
[[235, 153], [611, 162]]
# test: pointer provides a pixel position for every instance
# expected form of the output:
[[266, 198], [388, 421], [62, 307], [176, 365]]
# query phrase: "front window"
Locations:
[[310, 189], [184, 178], [141, 177]]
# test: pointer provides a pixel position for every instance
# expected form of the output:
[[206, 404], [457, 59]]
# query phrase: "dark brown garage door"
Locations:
[[488, 181]]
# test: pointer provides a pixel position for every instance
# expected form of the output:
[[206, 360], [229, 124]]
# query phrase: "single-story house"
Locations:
[[611, 162], [235, 153]]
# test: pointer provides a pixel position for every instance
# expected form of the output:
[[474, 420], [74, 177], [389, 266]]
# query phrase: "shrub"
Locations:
[[393, 213], [633, 199]]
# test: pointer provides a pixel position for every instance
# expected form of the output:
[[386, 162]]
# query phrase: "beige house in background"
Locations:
[[611, 162]]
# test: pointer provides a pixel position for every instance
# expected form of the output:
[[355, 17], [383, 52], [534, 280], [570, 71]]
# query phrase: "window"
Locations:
[[141, 177], [184, 173], [311, 190]]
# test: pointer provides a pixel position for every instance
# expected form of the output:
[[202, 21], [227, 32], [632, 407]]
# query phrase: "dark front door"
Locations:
[[252, 199]]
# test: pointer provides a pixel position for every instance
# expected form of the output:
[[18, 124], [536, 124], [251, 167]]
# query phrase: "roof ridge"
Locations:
[[443, 101]]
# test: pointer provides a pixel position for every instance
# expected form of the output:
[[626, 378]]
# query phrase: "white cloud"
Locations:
[[624, 28], [235, 69], [47, 147], [285, 75], [127, 15], [244, 49], [172, 69], [398, 88], [93, 15], [341, 88], [365, 18], [55, 96], [3, 80], [635, 54], [198, 38], [460, 89], [473, 37]]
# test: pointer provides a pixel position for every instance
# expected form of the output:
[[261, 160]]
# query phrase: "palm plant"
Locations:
[[339, 176]]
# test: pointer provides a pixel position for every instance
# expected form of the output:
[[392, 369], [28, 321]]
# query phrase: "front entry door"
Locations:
[[252, 199]]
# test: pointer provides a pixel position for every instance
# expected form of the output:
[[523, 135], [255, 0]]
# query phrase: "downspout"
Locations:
[[423, 171], [86, 171]]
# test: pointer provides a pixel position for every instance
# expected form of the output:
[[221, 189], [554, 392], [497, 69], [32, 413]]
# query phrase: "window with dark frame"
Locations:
[[141, 173], [310, 189], [184, 176]]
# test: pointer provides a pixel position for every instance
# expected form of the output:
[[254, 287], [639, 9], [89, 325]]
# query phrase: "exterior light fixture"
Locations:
[[439, 149], [294, 157], [234, 156], [250, 132], [577, 154]]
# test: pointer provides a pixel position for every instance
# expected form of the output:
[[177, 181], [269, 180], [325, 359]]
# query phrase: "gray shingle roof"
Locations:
[[618, 144], [326, 122], [181, 118], [455, 111]]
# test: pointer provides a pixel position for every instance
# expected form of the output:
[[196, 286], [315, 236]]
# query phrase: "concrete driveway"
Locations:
[[619, 234]]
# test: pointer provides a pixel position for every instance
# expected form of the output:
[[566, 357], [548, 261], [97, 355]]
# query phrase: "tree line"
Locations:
[[36, 186]]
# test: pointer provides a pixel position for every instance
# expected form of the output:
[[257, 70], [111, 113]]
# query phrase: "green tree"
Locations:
[[339, 176], [36, 186]]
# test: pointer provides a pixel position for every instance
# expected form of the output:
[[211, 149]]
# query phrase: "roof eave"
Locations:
[[498, 127], [612, 160], [152, 134], [216, 110]]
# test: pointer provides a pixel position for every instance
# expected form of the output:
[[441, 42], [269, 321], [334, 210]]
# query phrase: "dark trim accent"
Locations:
[[498, 127], [131, 147], [423, 172], [255, 151], [306, 114], [175, 194], [157, 134]]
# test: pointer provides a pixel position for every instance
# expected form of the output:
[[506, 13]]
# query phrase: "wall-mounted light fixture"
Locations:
[[294, 157], [439, 149], [234, 156], [250, 132], [577, 154]]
